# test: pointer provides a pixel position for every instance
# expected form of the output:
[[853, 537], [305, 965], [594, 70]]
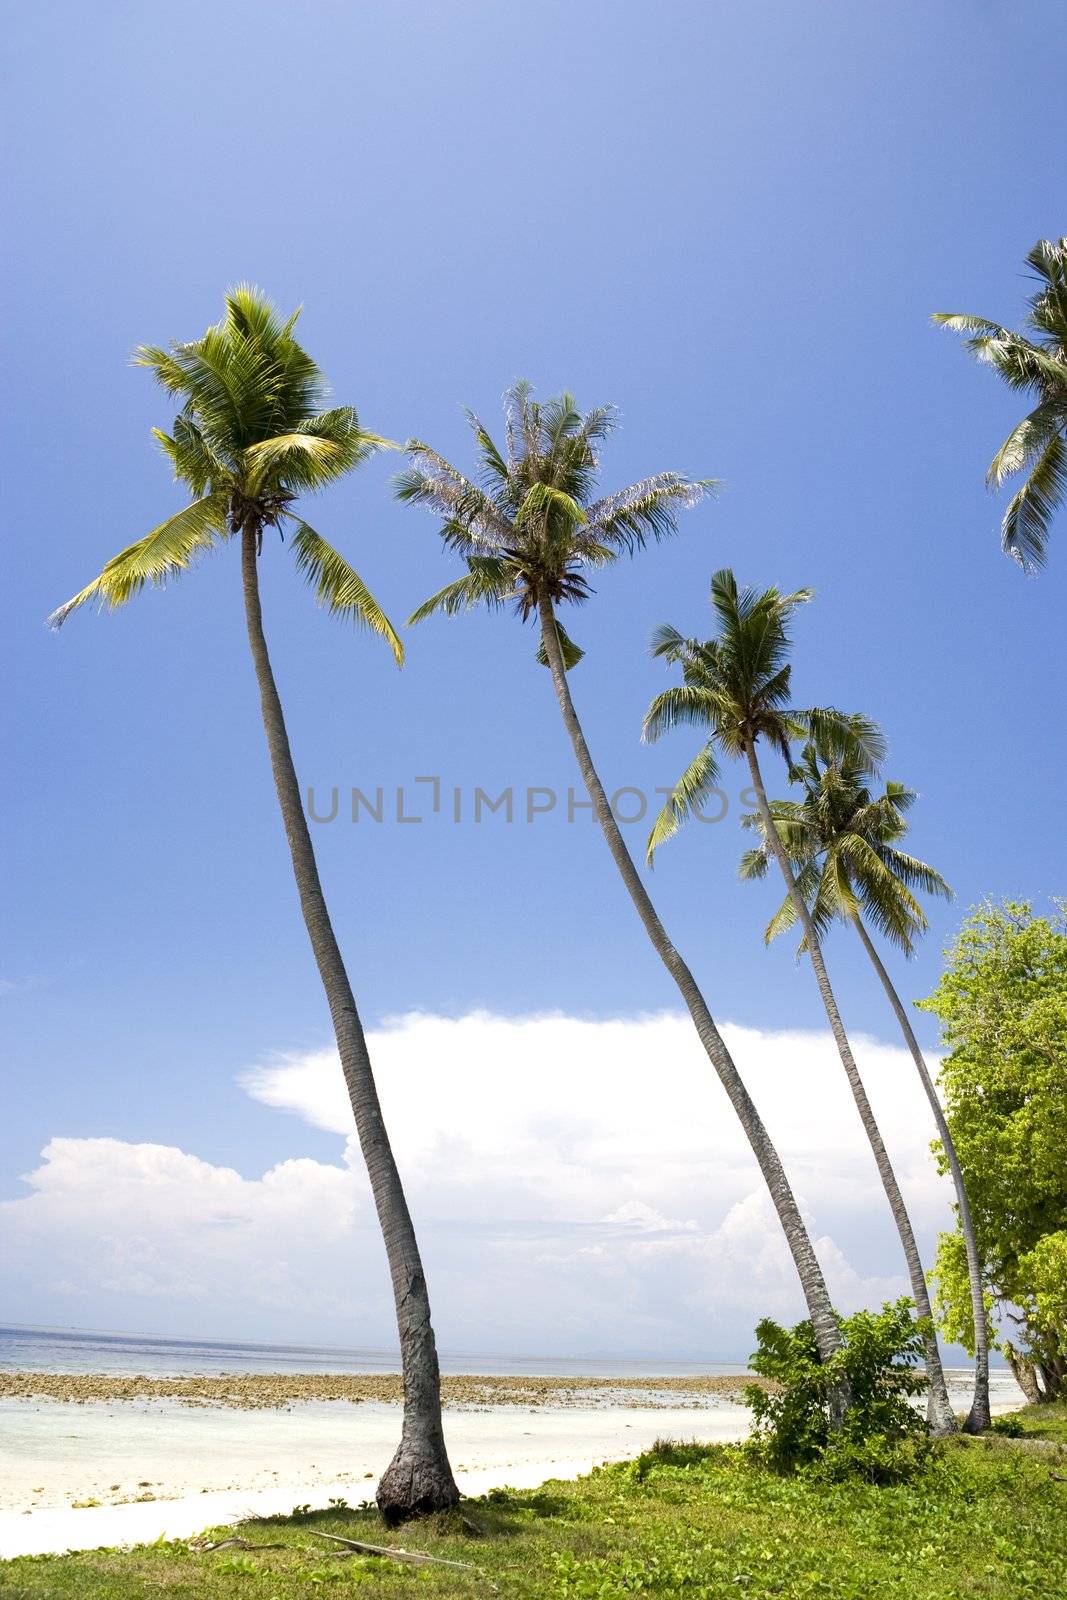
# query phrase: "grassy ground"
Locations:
[[990, 1519]]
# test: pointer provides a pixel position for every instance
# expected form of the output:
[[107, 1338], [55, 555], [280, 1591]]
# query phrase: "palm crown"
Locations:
[[529, 528], [1035, 366], [250, 438], [738, 687], [842, 839]]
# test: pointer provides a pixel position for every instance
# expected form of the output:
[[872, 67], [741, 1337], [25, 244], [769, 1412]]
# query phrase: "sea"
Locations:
[[36, 1349]]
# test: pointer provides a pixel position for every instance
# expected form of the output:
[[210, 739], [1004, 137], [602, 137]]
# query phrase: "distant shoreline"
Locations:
[[255, 1391]]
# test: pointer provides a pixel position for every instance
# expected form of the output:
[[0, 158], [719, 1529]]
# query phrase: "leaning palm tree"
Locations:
[[250, 438], [737, 687], [843, 841], [1036, 366], [530, 531]]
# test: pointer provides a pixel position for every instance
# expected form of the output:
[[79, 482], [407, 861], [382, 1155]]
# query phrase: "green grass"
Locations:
[[989, 1519], [1036, 1422]]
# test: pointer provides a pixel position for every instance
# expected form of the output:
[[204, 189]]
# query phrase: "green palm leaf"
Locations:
[[339, 588], [698, 780], [161, 554], [1037, 444], [572, 653], [489, 582], [1025, 529]]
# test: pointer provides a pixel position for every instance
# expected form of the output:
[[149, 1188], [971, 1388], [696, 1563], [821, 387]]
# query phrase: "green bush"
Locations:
[[883, 1437]]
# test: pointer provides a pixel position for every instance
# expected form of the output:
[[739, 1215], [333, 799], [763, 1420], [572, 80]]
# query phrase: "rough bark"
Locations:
[[942, 1419], [419, 1479], [824, 1322], [1041, 1379], [978, 1418]]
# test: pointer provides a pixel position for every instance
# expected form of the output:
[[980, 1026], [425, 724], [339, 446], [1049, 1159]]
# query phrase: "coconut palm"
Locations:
[[1036, 366], [737, 687], [843, 841], [531, 531], [250, 438]]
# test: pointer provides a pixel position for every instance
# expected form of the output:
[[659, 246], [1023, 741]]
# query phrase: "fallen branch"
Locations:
[[233, 1544], [417, 1558]]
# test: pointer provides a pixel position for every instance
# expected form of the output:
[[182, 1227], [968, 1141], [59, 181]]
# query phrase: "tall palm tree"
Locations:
[[530, 531], [1036, 366], [250, 438], [737, 687], [843, 841]]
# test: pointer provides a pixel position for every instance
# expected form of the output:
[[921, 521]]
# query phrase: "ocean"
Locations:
[[88, 1350]]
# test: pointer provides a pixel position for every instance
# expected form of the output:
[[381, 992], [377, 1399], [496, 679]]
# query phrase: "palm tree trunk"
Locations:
[[978, 1419], [419, 1479], [823, 1320], [942, 1418]]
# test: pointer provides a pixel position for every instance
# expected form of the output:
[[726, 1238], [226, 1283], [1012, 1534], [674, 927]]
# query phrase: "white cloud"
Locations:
[[577, 1185]]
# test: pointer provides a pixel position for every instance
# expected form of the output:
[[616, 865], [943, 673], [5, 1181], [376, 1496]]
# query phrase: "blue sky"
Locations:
[[733, 221]]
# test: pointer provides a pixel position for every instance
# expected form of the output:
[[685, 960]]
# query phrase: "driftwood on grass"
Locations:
[[416, 1557]]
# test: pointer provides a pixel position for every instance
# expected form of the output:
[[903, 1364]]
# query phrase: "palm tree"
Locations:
[[843, 842], [737, 687], [1035, 366], [530, 531], [250, 437]]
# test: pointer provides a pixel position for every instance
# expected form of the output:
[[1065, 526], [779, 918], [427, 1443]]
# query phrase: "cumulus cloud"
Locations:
[[578, 1186]]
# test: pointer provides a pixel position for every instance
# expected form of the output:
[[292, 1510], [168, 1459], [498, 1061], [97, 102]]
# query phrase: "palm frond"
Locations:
[[847, 737], [680, 705], [161, 554], [339, 588], [571, 652], [490, 581], [648, 509], [754, 863], [541, 498], [1026, 525], [1026, 441], [695, 784]]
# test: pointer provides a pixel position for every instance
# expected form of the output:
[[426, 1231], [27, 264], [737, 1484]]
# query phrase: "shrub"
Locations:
[[883, 1437]]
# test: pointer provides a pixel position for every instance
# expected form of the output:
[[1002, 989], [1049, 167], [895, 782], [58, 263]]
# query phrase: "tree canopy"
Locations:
[[1002, 1004]]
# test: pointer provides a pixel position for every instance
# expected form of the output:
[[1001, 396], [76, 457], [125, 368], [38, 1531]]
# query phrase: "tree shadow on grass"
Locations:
[[500, 1514]]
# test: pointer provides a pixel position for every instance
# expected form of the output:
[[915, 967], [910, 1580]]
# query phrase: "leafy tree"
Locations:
[[530, 530], [1002, 1004], [883, 1438], [251, 437], [1036, 366], [844, 844], [736, 688]]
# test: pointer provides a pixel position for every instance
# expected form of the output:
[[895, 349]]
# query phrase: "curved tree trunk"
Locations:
[[942, 1418], [823, 1320], [978, 1418], [419, 1479]]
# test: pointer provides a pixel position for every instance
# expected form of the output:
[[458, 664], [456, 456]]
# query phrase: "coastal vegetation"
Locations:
[[844, 843], [984, 1518], [737, 689], [1002, 1005]]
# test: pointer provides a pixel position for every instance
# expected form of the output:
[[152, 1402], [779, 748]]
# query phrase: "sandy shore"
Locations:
[[91, 1459], [78, 1477], [257, 1390]]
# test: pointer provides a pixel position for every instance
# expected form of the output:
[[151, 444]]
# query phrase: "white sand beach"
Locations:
[[74, 1476], [205, 1467]]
